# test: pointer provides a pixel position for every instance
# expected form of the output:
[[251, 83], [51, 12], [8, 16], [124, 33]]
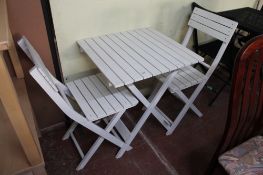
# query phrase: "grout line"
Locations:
[[156, 151]]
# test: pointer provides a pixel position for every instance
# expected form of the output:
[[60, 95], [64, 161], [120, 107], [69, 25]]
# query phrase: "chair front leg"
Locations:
[[70, 130], [186, 108], [99, 141], [148, 111]]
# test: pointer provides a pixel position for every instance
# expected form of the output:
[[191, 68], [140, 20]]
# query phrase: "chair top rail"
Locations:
[[213, 24], [36, 59]]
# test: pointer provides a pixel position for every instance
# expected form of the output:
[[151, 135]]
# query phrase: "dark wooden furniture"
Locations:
[[249, 19], [245, 115]]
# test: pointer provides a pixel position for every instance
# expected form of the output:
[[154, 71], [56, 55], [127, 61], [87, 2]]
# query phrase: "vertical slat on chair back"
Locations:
[[36, 59], [214, 25]]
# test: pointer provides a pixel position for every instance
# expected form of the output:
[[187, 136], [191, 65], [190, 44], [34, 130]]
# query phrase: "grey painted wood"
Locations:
[[131, 56]]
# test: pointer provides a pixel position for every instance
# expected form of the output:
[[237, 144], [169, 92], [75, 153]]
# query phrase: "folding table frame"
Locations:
[[127, 57]]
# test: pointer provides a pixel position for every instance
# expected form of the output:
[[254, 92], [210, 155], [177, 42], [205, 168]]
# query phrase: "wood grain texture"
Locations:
[[246, 100], [4, 25], [16, 116], [6, 40], [14, 57]]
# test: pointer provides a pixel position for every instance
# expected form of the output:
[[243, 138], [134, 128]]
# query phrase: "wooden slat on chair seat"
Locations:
[[185, 78], [96, 100]]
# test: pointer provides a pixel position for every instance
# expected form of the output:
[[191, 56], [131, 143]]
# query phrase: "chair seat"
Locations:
[[244, 159], [97, 99], [185, 78]]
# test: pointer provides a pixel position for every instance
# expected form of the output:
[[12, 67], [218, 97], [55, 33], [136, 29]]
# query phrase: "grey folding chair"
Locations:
[[217, 27], [97, 102]]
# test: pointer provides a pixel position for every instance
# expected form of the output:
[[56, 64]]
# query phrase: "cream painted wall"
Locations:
[[78, 19]]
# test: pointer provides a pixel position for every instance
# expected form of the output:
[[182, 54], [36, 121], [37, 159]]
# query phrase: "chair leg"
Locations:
[[186, 108], [99, 141], [181, 95], [149, 110], [70, 130]]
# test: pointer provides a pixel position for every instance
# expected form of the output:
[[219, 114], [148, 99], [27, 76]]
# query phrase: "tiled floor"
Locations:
[[186, 152]]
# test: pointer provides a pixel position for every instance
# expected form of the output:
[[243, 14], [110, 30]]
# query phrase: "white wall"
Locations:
[[77, 19]]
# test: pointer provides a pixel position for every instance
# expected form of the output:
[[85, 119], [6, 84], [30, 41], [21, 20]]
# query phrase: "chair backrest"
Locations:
[[57, 91], [214, 25], [245, 115], [32, 54]]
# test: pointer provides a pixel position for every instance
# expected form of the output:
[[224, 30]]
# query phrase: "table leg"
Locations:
[[149, 109], [159, 115]]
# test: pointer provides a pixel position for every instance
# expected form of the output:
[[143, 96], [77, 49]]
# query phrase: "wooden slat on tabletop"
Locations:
[[117, 47], [143, 45], [138, 58], [119, 60], [142, 53], [173, 43], [166, 52], [117, 69], [180, 52], [114, 79]]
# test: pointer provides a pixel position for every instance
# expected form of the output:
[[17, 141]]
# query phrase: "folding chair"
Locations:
[[97, 102], [217, 27]]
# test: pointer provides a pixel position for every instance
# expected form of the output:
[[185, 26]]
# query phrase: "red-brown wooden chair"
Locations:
[[245, 115]]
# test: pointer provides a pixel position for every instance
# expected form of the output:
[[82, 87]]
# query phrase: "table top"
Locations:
[[131, 56], [248, 19]]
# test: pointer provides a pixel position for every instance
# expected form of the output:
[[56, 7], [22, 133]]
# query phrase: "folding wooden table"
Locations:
[[128, 57]]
